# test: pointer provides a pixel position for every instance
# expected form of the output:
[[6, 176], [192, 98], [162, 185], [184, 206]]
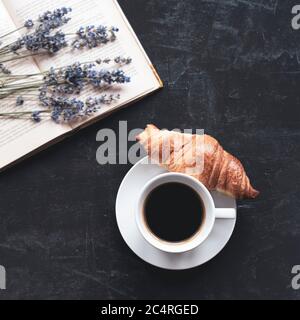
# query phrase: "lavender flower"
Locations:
[[59, 108], [100, 61], [61, 81], [62, 109], [50, 19], [119, 60], [36, 116], [4, 70], [29, 24], [92, 37], [54, 19], [54, 15], [122, 60], [74, 78], [92, 104], [20, 101], [47, 21], [43, 40], [66, 110], [52, 87]]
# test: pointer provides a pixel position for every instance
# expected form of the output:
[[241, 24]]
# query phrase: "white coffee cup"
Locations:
[[211, 213]]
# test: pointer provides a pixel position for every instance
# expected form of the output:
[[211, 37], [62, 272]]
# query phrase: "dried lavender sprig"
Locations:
[[70, 79], [68, 83], [38, 40], [47, 21], [67, 80], [66, 110], [61, 109], [89, 37], [42, 41], [74, 78], [92, 36], [120, 60]]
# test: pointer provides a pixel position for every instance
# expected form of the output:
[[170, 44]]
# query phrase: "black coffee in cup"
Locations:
[[174, 212]]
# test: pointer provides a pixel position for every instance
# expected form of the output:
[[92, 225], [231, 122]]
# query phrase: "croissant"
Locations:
[[218, 170]]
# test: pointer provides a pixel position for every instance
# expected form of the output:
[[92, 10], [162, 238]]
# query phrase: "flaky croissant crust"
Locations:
[[221, 171]]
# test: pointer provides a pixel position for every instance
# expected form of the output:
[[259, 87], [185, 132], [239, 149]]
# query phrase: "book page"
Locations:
[[94, 12], [19, 137]]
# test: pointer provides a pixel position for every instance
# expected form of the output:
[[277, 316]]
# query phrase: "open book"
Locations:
[[20, 138]]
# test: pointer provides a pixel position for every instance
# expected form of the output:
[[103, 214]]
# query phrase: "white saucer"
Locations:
[[129, 190]]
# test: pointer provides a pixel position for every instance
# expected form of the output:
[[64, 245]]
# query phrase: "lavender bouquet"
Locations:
[[40, 36], [52, 93], [43, 38]]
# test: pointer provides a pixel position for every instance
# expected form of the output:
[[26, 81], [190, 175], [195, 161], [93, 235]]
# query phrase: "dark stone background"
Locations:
[[230, 67]]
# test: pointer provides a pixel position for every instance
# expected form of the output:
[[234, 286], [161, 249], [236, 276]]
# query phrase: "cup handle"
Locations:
[[225, 213]]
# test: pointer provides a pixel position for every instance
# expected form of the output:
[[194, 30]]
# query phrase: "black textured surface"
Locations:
[[230, 67]]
